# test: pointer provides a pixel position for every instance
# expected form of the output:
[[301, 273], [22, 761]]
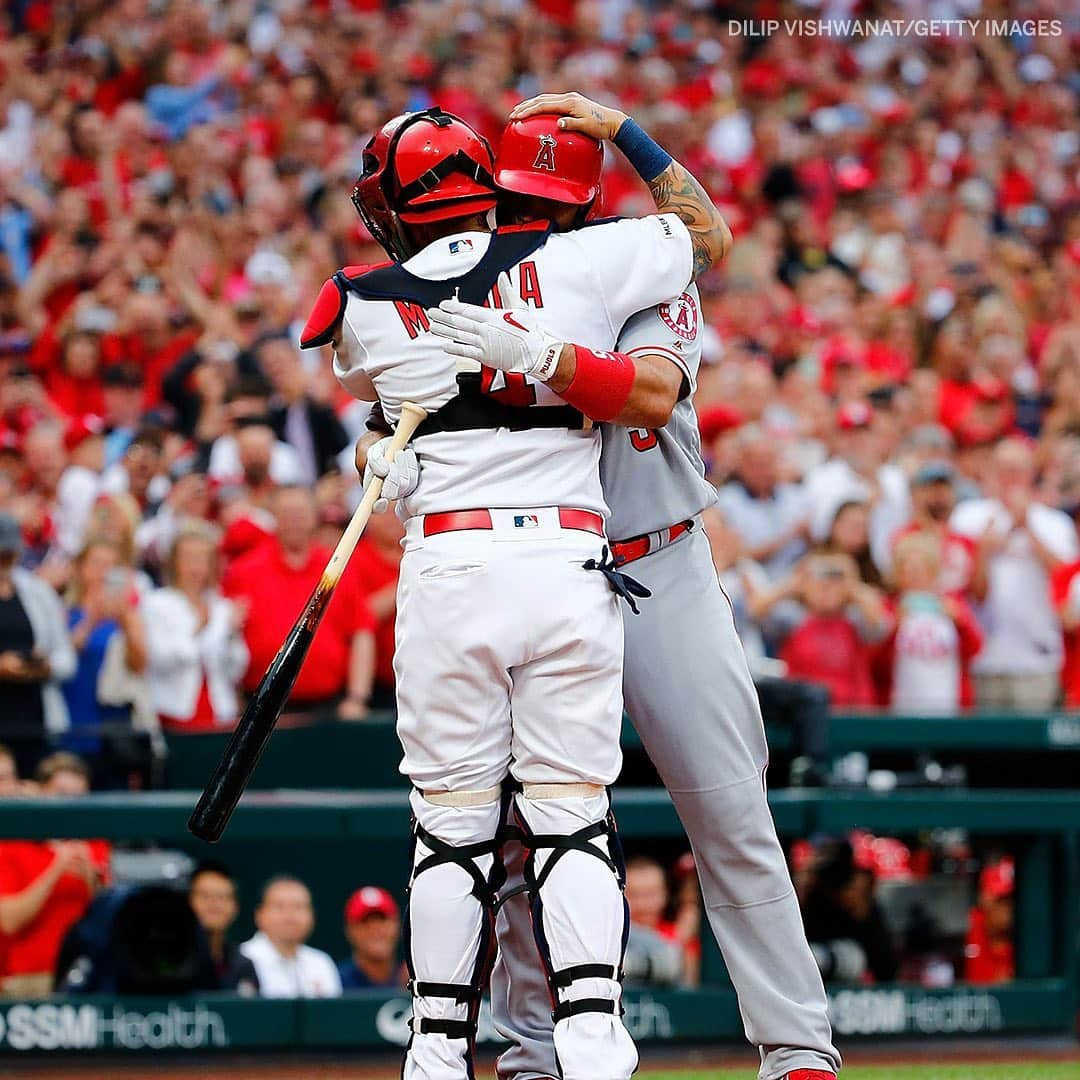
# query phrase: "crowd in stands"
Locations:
[[889, 402]]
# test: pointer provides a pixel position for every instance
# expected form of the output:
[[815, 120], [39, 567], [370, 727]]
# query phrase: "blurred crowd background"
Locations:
[[889, 400]]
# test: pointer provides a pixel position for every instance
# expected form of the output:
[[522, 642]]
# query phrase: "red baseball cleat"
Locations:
[[811, 1074]]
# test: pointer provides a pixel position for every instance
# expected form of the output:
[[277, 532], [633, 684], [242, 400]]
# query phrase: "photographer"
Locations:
[[842, 616]]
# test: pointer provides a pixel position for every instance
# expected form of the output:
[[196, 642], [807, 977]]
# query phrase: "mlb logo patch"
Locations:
[[458, 246], [526, 521]]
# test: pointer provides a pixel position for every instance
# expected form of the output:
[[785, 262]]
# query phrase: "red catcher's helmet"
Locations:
[[422, 167], [536, 157]]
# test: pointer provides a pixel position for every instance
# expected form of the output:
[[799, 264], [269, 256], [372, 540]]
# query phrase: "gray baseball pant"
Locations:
[[689, 693]]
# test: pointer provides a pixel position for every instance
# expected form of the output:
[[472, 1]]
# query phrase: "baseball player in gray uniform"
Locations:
[[686, 683]]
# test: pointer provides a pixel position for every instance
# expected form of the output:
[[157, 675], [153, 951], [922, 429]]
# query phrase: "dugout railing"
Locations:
[[337, 840]]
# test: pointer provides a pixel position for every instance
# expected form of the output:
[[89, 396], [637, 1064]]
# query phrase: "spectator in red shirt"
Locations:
[[1065, 587], [71, 371], [276, 579], [147, 339], [23, 402], [988, 951], [843, 615], [375, 566], [45, 887]]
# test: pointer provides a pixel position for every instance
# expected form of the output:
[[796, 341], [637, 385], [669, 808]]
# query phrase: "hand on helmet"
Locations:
[[399, 476], [509, 340], [578, 113]]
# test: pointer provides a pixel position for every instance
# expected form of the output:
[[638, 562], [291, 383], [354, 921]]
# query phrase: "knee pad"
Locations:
[[457, 838], [462, 829]]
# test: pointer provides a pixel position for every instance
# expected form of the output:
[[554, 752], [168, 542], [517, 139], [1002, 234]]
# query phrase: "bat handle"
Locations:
[[412, 416]]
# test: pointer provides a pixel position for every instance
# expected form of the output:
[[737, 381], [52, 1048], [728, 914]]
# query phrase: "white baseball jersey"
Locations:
[[587, 283], [653, 479], [926, 666]]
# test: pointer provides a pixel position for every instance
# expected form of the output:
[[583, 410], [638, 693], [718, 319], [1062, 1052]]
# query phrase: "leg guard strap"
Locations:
[[464, 798], [569, 975], [452, 1029], [561, 791], [462, 993], [564, 1010]]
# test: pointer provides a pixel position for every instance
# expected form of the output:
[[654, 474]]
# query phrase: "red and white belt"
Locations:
[[511, 519], [637, 547]]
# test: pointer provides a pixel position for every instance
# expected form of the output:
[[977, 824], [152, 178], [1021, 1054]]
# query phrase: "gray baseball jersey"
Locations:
[[690, 695], [653, 479]]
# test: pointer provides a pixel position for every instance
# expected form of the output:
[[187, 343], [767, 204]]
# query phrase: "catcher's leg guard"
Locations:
[[448, 934], [574, 873]]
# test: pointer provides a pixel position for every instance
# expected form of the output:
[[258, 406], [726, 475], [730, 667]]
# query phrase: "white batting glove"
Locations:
[[399, 476], [510, 340]]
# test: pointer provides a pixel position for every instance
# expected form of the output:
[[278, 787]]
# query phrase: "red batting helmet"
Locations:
[[422, 167], [536, 157]]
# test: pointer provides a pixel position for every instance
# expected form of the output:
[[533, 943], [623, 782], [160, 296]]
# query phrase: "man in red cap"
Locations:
[[373, 929]]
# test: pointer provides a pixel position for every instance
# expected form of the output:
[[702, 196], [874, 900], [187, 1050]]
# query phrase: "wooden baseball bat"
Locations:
[[222, 793]]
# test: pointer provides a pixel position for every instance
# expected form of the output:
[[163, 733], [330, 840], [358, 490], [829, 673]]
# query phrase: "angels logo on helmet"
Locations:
[[545, 156], [537, 157]]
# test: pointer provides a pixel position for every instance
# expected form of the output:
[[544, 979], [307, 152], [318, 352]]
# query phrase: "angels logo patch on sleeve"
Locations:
[[681, 316]]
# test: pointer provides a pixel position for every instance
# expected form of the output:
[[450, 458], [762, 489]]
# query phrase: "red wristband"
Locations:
[[601, 384]]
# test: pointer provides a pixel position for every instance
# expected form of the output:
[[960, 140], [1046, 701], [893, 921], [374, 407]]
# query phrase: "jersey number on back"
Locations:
[[511, 388], [642, 439]]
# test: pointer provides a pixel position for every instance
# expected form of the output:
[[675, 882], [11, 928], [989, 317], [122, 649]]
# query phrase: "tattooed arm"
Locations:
[[674, 190]]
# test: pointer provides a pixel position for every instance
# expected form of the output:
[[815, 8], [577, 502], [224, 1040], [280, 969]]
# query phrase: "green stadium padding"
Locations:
[[366, 755], [374, 1020]]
